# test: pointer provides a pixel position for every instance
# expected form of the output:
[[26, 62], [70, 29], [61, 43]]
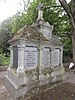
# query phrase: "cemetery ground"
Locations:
[[63, 91]]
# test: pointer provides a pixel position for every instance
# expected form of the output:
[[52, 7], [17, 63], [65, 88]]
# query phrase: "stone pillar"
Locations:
[[51, 51], [20, 68], [11, 57], [61, 57], [38, 66]]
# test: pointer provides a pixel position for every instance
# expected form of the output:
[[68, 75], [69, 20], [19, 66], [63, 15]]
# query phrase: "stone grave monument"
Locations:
[[35, 58]]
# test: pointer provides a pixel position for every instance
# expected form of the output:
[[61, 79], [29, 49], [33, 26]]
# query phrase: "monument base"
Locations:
[[58, 74], [18, 87], [22, 92], [20, 79]]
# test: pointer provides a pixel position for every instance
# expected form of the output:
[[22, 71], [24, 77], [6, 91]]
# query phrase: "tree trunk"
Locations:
[[73, 44], [73, 26], [70, 9]]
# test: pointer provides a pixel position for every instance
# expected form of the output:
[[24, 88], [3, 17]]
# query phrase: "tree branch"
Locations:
[[65, 6], [65, 35], [70, 10]]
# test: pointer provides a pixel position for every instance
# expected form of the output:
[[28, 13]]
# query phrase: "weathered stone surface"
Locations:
[[58, 74]]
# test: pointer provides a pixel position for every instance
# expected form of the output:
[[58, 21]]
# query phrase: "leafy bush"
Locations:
[[4, 60]]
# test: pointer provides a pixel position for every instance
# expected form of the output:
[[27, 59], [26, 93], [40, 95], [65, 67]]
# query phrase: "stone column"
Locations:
[[20, 68], [41, 76], [11, 57], [51, 51], [38, 66], [61, 57]]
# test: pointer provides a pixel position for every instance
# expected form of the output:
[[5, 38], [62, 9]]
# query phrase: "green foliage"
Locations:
[[67, 48], [5, 35], [4, 60], [54, 15], [27, 18]]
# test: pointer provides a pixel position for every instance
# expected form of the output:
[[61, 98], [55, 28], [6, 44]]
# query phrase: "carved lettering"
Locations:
[[30, 58]]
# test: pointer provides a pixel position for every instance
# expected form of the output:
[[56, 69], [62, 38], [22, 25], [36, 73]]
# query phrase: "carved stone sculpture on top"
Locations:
[[40, 11]]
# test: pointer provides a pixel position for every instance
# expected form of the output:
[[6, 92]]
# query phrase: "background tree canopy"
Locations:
[[54, 14]]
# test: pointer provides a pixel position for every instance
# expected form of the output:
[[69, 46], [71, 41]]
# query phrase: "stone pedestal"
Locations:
[[15, 93], [18, 85], [58, 74], [45, 76]]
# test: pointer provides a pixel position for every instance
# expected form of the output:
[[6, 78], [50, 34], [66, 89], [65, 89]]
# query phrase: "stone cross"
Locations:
[[40, 12]]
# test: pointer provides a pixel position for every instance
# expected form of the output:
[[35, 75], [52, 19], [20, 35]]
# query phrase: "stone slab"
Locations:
[[45, 58], [31, 54]]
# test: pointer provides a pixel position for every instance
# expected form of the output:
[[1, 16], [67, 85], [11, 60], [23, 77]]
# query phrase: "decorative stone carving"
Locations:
[[40, 12]]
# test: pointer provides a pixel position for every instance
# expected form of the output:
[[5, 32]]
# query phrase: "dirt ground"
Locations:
[[65, 91]]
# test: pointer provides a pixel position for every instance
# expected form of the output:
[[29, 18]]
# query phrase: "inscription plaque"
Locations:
[[30, 58], [46, 57], [56, 57]]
